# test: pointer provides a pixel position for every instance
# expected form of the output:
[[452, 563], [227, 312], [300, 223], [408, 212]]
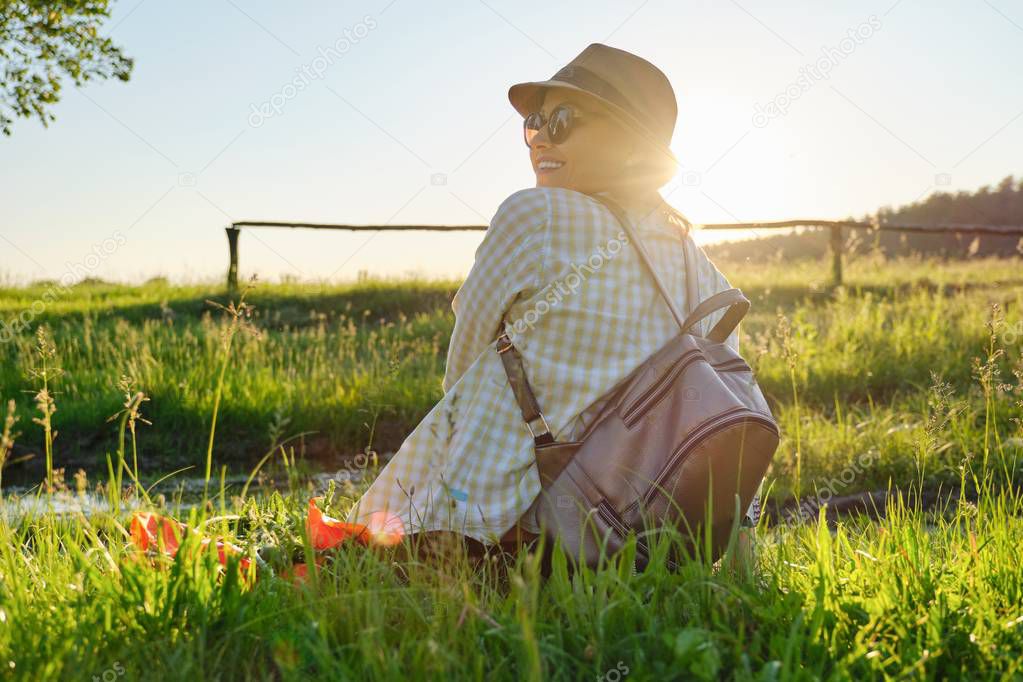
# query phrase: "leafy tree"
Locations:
[[41, 43]]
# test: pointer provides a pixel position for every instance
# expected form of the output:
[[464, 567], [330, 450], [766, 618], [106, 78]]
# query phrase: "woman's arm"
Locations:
[[508, 262]]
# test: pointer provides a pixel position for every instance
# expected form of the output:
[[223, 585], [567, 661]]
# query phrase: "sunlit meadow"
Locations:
[[907, 382]]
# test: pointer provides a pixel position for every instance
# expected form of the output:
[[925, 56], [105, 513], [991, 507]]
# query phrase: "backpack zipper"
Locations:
[[629, 415], [737, 365], [722, 421], [612, 519], [653, 395]]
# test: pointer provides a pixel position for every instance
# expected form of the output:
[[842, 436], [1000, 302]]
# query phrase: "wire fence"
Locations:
[[837, 241]]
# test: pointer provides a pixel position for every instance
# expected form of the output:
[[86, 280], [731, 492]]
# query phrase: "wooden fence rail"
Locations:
[[835, 226]]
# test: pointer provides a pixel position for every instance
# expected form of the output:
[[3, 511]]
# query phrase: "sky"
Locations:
[[396, 112]]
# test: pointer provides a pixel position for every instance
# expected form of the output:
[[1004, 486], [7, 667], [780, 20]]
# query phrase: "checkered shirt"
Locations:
[[555, 271]]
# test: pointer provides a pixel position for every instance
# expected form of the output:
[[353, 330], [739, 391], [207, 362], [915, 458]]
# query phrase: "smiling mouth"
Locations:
[[547, 166]]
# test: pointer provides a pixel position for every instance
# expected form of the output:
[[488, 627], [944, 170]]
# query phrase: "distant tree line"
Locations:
[[1002, 205]]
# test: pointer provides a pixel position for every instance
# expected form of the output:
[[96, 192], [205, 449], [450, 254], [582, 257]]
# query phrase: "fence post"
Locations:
[[232, 269], [836, 254]]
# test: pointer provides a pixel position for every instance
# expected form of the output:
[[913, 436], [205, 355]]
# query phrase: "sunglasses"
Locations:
[[559, 124]]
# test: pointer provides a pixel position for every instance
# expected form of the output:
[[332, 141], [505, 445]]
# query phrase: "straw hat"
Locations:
[[635, 90]]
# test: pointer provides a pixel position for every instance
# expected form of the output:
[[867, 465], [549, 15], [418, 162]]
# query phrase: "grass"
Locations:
[[909, 378], [341, 360], [908, 596], [323, 361]]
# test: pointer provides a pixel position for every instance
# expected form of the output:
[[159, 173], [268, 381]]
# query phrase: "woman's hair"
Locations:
[[656, 202], [654, 168], [675, 216]]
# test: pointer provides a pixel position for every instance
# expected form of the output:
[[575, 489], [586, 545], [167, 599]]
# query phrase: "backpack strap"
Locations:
[[644, 257], [738, 304], [524, 396]]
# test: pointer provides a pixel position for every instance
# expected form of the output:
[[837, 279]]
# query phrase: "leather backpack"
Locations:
[[672, 444]]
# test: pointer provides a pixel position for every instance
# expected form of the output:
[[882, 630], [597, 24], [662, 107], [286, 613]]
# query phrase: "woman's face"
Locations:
[[592, 158]]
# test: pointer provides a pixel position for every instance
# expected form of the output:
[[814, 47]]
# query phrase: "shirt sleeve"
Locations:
[[508, 263], [721, 283]]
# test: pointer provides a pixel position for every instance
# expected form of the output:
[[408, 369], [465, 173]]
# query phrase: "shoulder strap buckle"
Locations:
[[546, 429], [504, 342]]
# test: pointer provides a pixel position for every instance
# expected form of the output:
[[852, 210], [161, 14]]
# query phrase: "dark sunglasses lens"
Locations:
[[531, 126], [560, 124]]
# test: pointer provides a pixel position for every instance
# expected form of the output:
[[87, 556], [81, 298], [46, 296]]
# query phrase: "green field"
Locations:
[[909, 378]]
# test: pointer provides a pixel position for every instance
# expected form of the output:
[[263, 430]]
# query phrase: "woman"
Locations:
[[582, 313]]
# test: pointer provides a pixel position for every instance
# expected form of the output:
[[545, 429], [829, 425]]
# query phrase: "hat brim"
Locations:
[[523, 98]]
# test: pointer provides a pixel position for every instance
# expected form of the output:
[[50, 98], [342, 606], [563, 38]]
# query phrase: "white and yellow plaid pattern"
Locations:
[[556, 269]]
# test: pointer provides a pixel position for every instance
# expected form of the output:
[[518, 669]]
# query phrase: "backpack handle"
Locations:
[[738, 304]]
